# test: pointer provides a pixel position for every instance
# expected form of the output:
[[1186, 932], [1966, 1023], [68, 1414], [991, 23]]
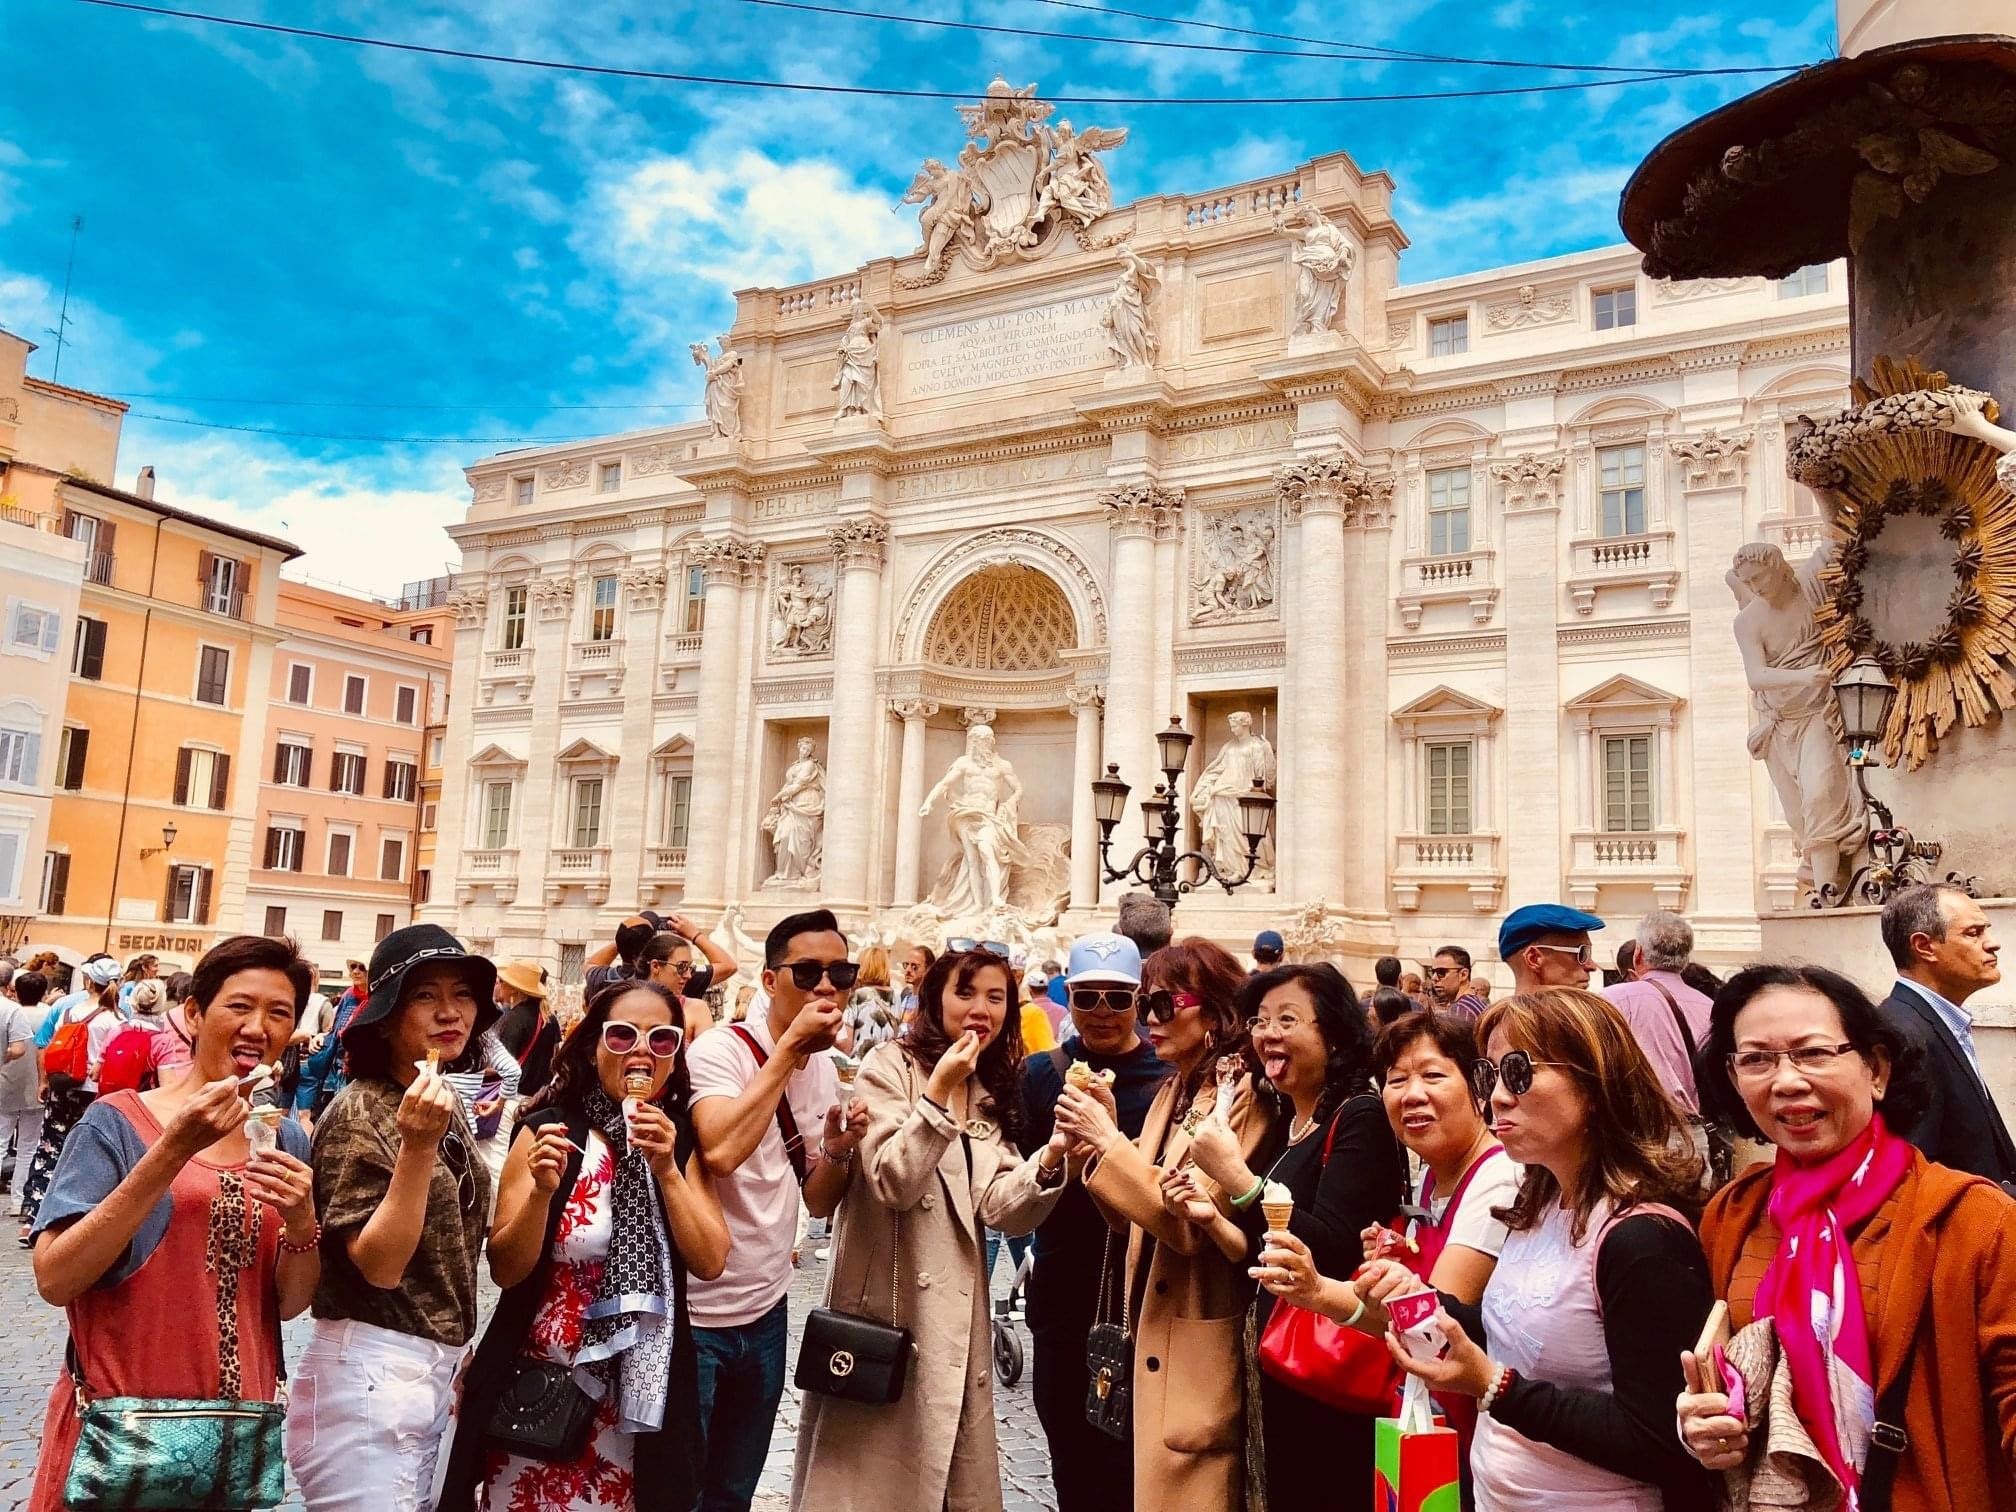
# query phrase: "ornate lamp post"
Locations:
[[1864, 694], [1157, 863]]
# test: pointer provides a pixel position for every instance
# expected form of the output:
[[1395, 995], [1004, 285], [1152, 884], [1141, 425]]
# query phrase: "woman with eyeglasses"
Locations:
[[1888, 1283], [1573, 1352], [938, 1164], [667, 960], [1187, 1261], [405, 1202], [606, 1206]]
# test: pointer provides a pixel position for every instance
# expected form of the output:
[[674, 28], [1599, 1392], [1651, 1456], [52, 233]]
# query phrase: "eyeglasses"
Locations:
[[1162, 1005], [663, 1040], [1515, 1066], [678, 968], [1583, 953], [806, 974], [1288, 1023], [1439, 972], [992, 947], [1814, 1060], [1102, 999]]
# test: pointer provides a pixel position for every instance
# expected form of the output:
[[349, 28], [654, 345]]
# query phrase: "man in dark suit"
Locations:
[[1940, 941]]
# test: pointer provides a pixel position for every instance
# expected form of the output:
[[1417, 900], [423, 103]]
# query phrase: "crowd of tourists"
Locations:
[[1679, 1243]]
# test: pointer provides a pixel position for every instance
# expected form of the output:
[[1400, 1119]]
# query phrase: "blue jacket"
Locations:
[[325, 1066]]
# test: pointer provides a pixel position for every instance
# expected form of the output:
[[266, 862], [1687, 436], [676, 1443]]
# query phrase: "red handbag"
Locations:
[[1325, 1361]]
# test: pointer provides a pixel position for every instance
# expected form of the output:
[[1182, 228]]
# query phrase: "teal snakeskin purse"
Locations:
[[142, 1452]]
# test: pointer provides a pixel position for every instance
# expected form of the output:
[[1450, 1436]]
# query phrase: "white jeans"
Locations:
[[367, 1415], [26, 1130]]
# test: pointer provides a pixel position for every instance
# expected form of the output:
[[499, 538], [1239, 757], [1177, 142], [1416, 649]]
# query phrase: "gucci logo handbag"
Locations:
[[853, 1358], [1109, 1358]]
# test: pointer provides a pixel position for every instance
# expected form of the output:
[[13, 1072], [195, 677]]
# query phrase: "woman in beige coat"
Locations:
[[1186, 1260], [937, 1166]]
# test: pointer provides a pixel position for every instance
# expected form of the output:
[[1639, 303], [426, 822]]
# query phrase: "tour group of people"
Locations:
[[1674, 1248]]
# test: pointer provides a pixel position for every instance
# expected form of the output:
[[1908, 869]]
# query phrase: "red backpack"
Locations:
[[69, 1052], [129, 1061]]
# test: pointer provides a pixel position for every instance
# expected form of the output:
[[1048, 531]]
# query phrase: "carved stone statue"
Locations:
[[795, 821], [985, 800], [801, 615], [951, 198], [1969, 417], [1798, 731], [860, 360], [1323, 261], [723, 397], [1074, 182], [1130, 328], [1235, 566], [1245, 758]]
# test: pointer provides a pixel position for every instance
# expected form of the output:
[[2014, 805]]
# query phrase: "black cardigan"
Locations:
[[667, 1462]]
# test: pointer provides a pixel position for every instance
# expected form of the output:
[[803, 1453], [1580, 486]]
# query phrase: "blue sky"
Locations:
[[453, 249]]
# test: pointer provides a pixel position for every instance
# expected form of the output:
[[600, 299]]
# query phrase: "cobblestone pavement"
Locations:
[[31, 1352]]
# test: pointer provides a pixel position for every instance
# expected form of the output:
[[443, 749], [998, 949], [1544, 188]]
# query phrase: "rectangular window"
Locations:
[[1811, 279], [402, 780], [1612, 308], [1449, 336], [1448, 787], [1621, 474], [286, 846], [346, 773], [202, 778], [406, 705], [573, 964], [223, 585], [434, 748], [87, 658], [55, 881], [291, 763], [353, 695], [587, 811], [13, 852], [1448, 511], [514, 618], [423, 885], [386, 924], [392, 859], [339, 853], [602, 609], [696, 600], [98, 537], [20, 756], [610, 478], [276, 921], [71, 751], [421, 635], [188, 899], [429, 815], [213, 674], [300, 683], [521, 490], [496, 815], [33, 629], [332, 923], [1627, 783], [678, 807]]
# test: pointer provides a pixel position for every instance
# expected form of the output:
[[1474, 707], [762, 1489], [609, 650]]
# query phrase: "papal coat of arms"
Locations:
[[1016, 179]]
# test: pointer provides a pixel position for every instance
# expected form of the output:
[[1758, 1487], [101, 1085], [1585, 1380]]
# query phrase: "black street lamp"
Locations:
[[1156, 864], [168, 833]]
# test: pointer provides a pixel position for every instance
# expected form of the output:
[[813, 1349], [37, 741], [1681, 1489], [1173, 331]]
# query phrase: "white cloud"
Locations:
[[11, 158], [1562, 204]]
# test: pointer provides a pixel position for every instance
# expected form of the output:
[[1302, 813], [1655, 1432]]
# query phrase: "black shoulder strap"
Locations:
[[787, 1126], [1679, 1018], [1887, 1441]]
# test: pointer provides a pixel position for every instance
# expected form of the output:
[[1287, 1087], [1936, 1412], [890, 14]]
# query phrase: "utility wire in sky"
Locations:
[[390, 404], [797, 87], [260, 430]]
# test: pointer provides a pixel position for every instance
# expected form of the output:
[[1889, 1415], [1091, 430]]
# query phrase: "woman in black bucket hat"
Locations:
[[404, 1204]]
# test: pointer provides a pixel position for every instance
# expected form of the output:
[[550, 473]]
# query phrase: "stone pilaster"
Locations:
[[1367, 597], [728, 564], [1085, 707], [915, 714], [1534, 870], [644, 592], [1137, 512], [457, 828], [853, 795], [545, 789]]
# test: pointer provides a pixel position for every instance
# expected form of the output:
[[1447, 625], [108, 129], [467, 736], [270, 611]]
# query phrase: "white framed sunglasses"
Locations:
[[662, 1040]]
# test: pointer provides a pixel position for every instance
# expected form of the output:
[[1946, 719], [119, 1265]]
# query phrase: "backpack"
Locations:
[[69, 1053], [129, 1062]]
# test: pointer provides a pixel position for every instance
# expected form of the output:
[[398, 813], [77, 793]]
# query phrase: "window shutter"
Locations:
[[272, 849], [206, 567], [108, 532], [202, 897], [279, 764], [336, 772], [80, 742], [69, 523], [241, 574], [31, 759], [94, 649], [300, 850], [388, 779], [52, 630], [168, 897], [59, 881], [182, 775], [220, 783]]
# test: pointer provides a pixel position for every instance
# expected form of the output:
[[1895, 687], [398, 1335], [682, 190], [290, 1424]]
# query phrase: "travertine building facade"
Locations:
[[1458, 547]]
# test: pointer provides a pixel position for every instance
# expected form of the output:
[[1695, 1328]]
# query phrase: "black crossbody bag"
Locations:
[[1109, 1357]]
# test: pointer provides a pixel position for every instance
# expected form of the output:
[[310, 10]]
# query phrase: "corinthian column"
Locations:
[[1085, 704], [852, 790], [914, 712], [1136, 511], [726, 563]]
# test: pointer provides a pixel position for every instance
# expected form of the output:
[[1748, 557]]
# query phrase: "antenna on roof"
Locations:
[[61, 330]]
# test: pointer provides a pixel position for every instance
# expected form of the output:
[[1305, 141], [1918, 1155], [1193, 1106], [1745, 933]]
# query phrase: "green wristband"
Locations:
[[1259, 1186]]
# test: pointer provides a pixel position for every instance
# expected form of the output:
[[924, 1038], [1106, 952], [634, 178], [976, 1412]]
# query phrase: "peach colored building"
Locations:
[[355, 685]]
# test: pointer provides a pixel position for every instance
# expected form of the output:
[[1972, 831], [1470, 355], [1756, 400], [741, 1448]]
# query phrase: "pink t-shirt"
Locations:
[[760, 1201], [1651, 1021]]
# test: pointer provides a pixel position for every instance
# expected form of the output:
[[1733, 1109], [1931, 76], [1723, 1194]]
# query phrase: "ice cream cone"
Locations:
[[1278, 1214], [846, 1071], [1079, 1075], [636, 1082]]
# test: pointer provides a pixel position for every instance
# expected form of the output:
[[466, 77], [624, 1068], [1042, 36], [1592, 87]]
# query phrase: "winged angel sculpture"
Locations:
[[1014, 178]]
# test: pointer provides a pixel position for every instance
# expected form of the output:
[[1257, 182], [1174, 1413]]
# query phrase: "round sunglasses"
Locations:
[[1516, 1069], [662, 1040]]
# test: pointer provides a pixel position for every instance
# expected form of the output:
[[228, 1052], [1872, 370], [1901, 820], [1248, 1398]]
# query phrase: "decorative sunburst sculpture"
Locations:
[[1892, 456]]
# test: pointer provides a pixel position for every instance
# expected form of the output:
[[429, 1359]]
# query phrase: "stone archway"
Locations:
[[1050, 556], [1010, 617]]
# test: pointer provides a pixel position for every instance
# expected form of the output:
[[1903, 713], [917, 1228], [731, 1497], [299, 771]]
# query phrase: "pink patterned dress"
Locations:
[[600, 1480]]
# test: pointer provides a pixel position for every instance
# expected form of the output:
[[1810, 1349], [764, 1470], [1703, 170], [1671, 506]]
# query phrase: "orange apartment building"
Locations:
[[355, 688]]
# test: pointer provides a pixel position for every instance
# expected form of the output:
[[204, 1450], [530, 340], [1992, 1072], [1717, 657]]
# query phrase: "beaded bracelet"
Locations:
[[1497, 1389], [314, 1242]]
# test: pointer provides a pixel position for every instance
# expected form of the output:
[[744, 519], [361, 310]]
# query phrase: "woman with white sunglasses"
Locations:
[[605, 1207]]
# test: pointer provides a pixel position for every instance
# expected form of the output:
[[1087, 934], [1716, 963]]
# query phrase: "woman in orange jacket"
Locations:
[[1880, 1286]]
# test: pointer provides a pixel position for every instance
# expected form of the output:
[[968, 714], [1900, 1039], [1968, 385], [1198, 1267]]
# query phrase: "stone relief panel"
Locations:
[[1234, 559], [801, 609], [490, 491], [1531, 308], [572, 473]]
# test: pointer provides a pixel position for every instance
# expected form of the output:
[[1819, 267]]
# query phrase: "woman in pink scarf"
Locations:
[[1890, 1282]]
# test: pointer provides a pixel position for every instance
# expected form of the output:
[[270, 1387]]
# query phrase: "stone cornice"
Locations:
[[1419, 647], [1619, 632]]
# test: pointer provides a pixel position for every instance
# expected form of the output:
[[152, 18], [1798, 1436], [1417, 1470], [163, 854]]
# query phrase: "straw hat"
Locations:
[[525, 977]]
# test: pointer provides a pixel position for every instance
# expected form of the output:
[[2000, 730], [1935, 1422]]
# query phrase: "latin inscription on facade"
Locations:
[[993, 477], [792, 506], [1254, 438], [995, 351]]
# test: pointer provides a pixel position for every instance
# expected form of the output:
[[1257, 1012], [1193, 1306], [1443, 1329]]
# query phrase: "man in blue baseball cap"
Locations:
[[1268, 948], [1547, 945]]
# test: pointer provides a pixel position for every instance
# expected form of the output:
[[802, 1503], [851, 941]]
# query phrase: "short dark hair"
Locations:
[[658, 949], [1386, 971], [1915, 911], [1390, 1004], [1455, 953], [1346, 1033], [1453, 1034], [1868, 1028], [227, 958], [631, 938], [29, 987], [1146, 921], [178, 987], [788, 928]]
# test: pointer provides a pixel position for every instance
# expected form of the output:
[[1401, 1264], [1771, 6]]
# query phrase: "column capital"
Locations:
[[1142, 507], [646, 586], [1532, 481], [858, 543], [554, 596], [1712, 460], [977, 714], [907, 709], [469, 605], [1334, 483], [1085, 700], [727, 559]]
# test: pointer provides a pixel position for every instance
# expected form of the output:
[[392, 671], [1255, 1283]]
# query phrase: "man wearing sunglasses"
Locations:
[[1547, 945], [1102, 982], [766, 1107]]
